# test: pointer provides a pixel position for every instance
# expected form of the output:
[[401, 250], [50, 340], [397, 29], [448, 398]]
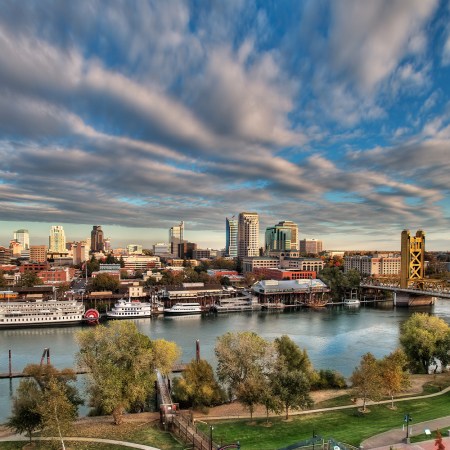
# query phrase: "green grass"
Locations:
[[346, 426]]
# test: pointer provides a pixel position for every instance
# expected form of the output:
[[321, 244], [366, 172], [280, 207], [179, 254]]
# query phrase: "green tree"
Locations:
[[328, 379], [292, 357], [3, 283], [57, 412], [105, 282], [25, 417], [29, 279], [292, 388], [92, 265], [122, 365], [250, 391], [366, 379], [425, 339], [268, 399], [121, 262], [225, 281], [394, 375], [197, 385], [240, 355]]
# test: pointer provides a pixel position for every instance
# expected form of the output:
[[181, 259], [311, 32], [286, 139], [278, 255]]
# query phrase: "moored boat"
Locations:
[[40, 313], [128, 309], [237, 304], [182, 309]]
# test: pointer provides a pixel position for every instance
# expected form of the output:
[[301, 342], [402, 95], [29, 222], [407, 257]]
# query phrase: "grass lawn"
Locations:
[[346, 426]]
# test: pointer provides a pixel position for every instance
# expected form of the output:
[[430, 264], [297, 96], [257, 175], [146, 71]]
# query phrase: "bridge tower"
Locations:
[[412, 259]]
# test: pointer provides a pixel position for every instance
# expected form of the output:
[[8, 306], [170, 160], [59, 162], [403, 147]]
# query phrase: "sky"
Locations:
[[135, 115]]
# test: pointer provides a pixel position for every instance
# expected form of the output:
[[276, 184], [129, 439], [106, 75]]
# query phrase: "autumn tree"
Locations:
[[29, 279], [425, 339], [197, 385], [57, 412], [3, 283], [122, 363], [25, 417], [250, 391], [394, 376], [366, 379]]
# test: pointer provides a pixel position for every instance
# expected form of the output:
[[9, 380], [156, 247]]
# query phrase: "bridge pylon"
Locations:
[[412, 259]]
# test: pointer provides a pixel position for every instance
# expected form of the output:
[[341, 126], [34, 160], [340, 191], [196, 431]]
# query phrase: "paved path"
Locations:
[[80, 439]]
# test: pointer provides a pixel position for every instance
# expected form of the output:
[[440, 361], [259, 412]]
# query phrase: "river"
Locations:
[[334, 337]]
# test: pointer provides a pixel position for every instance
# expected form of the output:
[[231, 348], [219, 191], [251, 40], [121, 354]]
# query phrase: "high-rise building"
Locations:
[[248, 234], [231, 245], [279, 237], [97, 244], [310, 246], [176, 236], [80, 252], [38, 253], [23, 237], [294, 232], [57, 240]]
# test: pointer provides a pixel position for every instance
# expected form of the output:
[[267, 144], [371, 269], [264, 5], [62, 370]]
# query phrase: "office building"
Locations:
[[378, 264], [80, 252], [23, 237], [248, 234], [38, 253], [311, 246], [176, 237], [281, 237], [231, 245], [97, 244], [134, 249], [57, 240]]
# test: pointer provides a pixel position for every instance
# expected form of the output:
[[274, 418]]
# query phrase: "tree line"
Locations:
[[277, 375]]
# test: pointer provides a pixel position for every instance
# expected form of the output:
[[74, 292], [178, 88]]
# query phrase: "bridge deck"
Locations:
[[433, 293]]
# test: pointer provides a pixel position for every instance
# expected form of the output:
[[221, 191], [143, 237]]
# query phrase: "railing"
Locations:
[[182, 426]]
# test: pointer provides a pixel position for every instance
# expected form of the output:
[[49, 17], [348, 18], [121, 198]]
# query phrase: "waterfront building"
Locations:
[[38, 253], [23, 237], [231, 244], [57, 240], [311, 246], [248, 234], [97, 243], [192, 292]]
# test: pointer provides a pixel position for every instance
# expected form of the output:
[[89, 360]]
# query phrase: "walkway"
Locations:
[[16, 438]]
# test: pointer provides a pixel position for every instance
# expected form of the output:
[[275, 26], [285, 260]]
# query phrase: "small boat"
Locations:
[[183, 309], [353, 299], [270, 305], [127, 309]]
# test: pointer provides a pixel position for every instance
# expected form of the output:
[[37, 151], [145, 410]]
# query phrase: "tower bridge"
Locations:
[[411, 288]]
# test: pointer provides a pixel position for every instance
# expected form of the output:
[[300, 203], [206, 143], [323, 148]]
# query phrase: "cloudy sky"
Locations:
[[135, 115]]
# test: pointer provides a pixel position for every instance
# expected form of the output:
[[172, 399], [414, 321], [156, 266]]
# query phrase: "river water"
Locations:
[[335, 337]]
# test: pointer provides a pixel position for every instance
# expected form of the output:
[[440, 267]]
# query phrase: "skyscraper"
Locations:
[[282, 237], [97, 244], [23, 237], [248, 234], [294, 232], [176, 237], [57, 239], [231, 245]]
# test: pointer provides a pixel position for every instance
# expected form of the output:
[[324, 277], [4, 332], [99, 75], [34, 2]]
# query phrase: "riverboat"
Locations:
[[237, 304], [130, 309], [352, 300], [183, 309], [40, 313]]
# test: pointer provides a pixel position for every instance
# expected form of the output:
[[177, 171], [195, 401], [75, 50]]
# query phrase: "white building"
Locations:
[[23, 237], [141, 262], [379, 264], [248, 234]]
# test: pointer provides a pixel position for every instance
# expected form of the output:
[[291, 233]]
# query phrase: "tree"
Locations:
[[366, 379], [240, 355], [425, 339], [197, 385], [292, 357], [29, 279], [3, 282], [122, 365], [250, 392], [92, 265], [25, 417], [225, 281], [393, 373], [57, 412], [292, 388], [105, 282], [269, 400]]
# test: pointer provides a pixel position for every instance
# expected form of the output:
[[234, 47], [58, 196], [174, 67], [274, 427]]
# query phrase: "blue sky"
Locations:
[[138, 114]]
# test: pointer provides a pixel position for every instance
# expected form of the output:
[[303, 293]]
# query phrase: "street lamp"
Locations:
[[408, 419], [211, 428]]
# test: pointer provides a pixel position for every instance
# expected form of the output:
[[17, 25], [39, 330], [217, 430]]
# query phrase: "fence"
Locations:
[[182, 427]]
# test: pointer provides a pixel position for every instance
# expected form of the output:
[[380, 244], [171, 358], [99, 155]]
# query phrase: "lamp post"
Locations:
[[211, 428], [408, 419]]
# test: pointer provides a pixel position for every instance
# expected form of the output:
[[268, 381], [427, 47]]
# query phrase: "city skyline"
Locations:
[[335, 116]]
